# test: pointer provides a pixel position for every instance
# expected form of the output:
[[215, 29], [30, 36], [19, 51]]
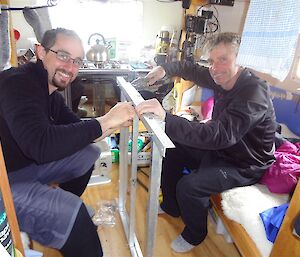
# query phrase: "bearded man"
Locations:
[[44, 142]]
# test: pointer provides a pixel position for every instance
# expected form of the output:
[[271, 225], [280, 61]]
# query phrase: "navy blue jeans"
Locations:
[[187, 195], [48, 214]]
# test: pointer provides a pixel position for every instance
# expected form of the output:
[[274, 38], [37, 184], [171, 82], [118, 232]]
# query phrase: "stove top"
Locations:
[[109, 65], [111, 68], [106, 69]]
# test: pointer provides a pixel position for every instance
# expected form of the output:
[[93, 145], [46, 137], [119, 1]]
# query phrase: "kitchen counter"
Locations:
[[124, 70]]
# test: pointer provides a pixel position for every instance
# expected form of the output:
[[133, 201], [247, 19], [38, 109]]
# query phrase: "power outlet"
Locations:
[[222, 2]]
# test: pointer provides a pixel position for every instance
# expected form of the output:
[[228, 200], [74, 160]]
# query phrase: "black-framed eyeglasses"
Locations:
[[65, 57]]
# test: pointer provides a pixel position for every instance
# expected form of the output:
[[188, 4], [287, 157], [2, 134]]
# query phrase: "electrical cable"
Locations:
[[216, 17], [212, 25], [218, 27], [166, 1], [200, 7], [50, 3], [216, 22]]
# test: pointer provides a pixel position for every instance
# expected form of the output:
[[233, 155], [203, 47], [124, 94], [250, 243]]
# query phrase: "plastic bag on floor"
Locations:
[[105, 213]]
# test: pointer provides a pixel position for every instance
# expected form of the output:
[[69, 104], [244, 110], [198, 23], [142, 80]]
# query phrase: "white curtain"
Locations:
[[270, 35]]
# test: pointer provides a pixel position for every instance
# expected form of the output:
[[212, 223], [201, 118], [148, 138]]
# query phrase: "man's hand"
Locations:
[[155, 74], [120, 115], [151, 106]]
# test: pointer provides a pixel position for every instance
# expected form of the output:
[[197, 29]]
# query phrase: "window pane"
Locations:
[[113, 19]]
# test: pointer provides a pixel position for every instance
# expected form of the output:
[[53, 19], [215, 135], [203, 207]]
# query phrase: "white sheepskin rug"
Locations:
[[243, 205]]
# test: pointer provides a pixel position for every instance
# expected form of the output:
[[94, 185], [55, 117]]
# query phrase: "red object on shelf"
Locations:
[[16, 34]]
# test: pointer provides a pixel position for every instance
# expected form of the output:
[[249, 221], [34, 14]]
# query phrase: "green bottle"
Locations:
[[140, 144]]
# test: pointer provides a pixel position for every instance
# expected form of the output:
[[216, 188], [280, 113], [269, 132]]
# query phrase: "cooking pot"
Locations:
[[98, 53]]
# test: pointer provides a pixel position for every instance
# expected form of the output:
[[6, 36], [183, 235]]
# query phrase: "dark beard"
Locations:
[[60, 88], [59, 85]]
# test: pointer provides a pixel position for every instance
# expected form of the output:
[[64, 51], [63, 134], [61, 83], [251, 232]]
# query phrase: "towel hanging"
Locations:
[[4, 39]]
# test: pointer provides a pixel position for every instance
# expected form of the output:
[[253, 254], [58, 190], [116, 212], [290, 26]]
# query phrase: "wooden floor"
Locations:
[[113, 238]]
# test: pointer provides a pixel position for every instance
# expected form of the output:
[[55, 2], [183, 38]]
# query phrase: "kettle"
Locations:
[[98, 53]]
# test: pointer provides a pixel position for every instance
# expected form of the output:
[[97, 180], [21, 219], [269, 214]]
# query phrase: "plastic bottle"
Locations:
[[173, 49], [140, 144]]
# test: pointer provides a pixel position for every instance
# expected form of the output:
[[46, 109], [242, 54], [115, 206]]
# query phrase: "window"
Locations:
[[121, 19]]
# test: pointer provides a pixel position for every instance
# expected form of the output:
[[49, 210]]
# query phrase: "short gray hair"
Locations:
[[230, 38]]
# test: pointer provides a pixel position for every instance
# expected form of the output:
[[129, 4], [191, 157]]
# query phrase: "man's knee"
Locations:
[[188, 188], [85, 158], [191, 195], [184, 189], [93, 152]]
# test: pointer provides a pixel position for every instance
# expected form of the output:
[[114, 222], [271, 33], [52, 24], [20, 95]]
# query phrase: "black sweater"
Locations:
[[36, 127], [242, 128]]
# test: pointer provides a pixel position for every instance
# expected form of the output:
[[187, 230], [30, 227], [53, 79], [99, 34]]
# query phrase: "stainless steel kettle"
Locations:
[[98, 53]]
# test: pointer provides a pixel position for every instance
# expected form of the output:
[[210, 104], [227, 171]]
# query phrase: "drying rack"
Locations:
[[160, 142]]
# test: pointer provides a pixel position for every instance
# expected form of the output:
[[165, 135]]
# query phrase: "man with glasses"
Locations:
[[44, 142], [232, 149]]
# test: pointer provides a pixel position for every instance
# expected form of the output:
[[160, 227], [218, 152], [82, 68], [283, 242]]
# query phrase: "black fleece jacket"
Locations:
[[36, 127], [242, 128]]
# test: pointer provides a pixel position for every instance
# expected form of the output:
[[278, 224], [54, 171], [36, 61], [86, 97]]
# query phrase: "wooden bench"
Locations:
[[286, 244]]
